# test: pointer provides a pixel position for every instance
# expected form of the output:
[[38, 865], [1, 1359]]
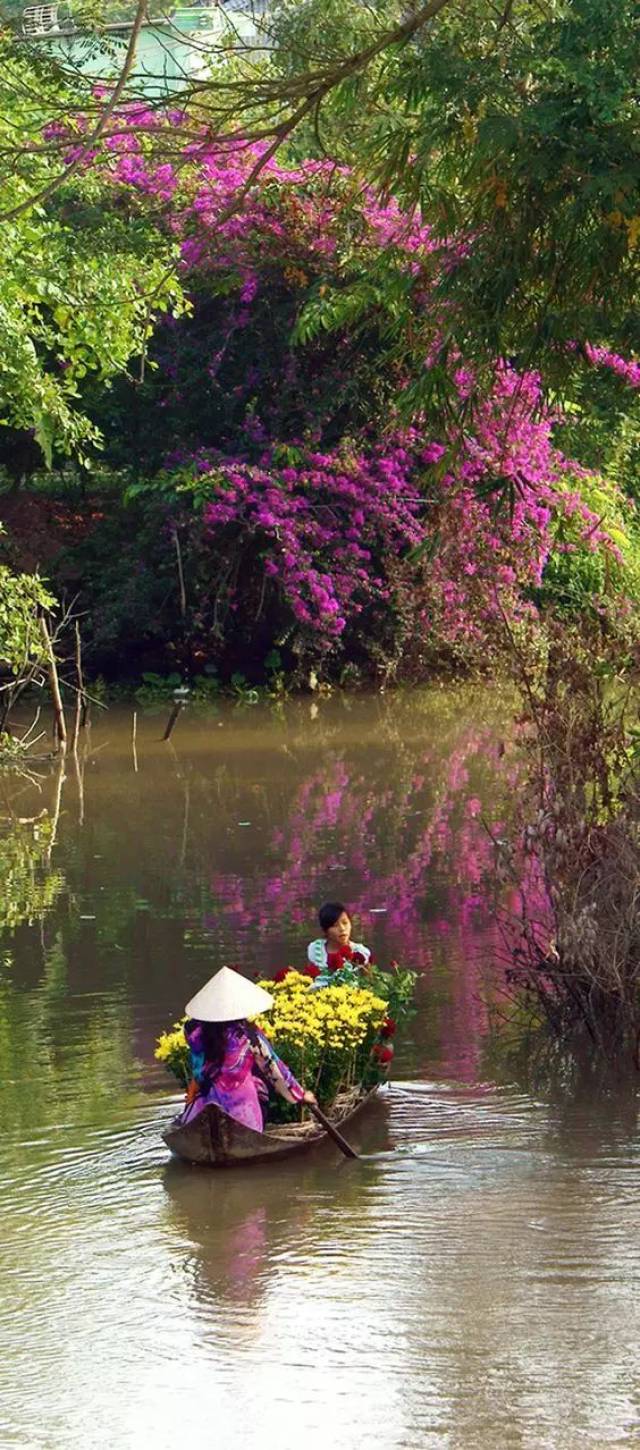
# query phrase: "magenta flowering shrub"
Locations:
[[234, 206], [230, 377], [407, 539], [342, 532], [625, 368], [330, 529]]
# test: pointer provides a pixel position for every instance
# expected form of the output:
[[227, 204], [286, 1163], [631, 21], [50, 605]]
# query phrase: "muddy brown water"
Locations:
[[472, 1282]]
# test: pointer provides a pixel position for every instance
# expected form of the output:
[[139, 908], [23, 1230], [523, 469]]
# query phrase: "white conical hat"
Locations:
[[228, 997]]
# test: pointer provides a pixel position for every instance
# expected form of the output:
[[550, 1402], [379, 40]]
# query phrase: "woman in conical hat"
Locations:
[[233, 1064]]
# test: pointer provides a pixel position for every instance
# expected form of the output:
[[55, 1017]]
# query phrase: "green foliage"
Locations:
[[80, 288], [310, 35], [13, 750], [576, 575], [398, 988], [601, 427], [521, 131], [21, 596], [157, 687], [275, 673], [243, 691]]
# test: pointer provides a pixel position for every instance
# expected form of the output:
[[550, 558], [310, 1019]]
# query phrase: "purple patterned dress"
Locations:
[[238, 1086]]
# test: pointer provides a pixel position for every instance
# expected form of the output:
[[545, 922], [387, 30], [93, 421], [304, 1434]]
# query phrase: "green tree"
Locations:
[[517, 132], [21, 596], [80, 289], [514, 129]]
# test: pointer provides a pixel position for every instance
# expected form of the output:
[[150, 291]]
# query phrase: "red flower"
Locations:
[[388, 1027], [358, 958], [383, 1053], [337, 959], [280, 976], [311, 971]]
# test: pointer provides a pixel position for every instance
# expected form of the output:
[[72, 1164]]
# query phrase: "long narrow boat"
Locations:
[[218, 1141]]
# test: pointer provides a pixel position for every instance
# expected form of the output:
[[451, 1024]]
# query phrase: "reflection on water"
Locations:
[[472, 1281], [219, 845]]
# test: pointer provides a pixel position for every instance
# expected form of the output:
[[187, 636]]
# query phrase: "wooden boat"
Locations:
[[218, 1141]]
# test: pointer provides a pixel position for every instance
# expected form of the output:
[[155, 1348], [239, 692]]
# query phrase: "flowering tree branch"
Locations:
[[260, 101]]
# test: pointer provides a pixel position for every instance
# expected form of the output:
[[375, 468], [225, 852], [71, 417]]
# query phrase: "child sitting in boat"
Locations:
[[233, 1064], [334, 951]]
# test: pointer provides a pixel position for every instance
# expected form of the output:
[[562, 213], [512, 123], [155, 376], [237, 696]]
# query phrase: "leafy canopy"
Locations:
[[79, 289]]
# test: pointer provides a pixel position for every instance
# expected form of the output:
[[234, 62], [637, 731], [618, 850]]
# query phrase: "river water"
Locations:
[[472, 1281]]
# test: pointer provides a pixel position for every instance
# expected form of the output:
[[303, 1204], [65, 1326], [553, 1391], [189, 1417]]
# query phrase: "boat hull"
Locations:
[[214, 1140]]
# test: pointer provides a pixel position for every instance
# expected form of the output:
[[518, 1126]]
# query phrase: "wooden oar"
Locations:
[[329, 1128]]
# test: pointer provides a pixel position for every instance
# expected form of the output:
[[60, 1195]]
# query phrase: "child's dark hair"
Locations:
[[214, 1041], [330, 912]]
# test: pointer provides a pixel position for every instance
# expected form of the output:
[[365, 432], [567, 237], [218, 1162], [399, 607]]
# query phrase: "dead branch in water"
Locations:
[[173, 719], [80, 698], [54, 684]]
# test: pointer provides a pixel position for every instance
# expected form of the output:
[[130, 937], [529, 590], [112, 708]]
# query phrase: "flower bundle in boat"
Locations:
[[325, 1036], [337, 1039]]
